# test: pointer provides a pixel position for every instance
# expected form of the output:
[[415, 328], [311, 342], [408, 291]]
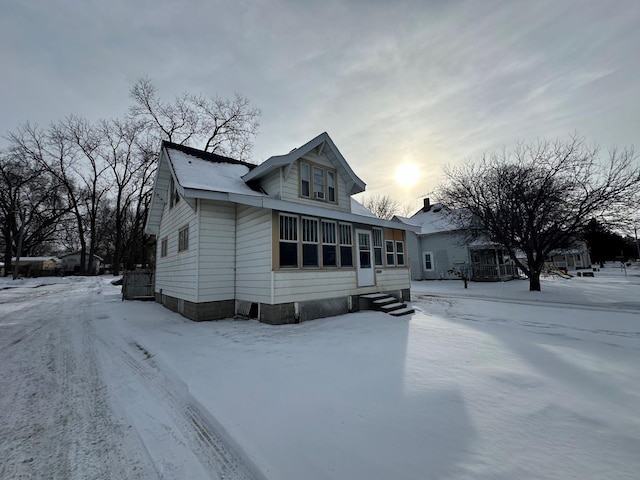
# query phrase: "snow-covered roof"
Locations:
[[359, 209], [36, 259], [212, 173], [436, 220], [78, 253], [199, 174]]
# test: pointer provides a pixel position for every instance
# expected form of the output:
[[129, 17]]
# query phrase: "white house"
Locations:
[[439, 251], [71, 263], [282, 241]]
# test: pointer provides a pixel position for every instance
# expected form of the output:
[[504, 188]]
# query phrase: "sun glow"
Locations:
[[407, 175]]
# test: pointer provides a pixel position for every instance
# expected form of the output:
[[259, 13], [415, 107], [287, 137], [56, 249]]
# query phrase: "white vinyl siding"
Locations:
[[253, 254], [217, 251], [271, 184], [175, 273], [304, 285]]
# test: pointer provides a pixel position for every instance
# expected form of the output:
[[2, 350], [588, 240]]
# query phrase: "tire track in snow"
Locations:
[[194, 426], [54, 410]]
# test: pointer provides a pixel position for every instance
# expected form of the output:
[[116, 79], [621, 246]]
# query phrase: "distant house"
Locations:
[[37, 266], [439, 251], [573, 258], [71, 263], [282, 242]]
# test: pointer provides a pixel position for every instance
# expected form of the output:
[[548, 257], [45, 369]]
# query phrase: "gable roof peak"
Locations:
[[322, 144]]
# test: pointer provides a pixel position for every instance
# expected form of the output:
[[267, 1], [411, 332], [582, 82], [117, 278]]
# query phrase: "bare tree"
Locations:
[[540, 197], [126, 155], [223, 126], [91, 173], [381, 206], [31, 207]]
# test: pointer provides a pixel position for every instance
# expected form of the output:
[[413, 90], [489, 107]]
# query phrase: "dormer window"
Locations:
[[305, 184], [331, 185], [317, 182]]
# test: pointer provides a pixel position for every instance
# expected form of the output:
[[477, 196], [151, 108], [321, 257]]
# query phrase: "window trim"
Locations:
[[164, 247], [390, 254], [308, 241], [424, 261], [345, 245], [183, 238], [333, 244], [400, 254], [295, 241], [331, 174], [325, 197], [375, 247], [308, 180]]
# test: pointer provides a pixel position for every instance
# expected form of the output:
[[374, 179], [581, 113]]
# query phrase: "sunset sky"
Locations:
[[415, 83]]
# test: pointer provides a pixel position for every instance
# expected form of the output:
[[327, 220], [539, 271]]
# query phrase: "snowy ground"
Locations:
[[489, 382]]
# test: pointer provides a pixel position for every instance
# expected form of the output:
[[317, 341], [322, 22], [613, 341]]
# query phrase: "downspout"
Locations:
[[235, 255], [198, 215]]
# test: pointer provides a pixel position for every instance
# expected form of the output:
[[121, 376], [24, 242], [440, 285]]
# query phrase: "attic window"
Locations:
[[317, 182]]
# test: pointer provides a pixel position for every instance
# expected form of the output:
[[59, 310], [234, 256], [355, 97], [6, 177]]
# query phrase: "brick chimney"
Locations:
[[427, 205]]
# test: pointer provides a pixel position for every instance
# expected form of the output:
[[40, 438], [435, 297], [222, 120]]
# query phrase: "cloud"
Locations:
[[432, 80]]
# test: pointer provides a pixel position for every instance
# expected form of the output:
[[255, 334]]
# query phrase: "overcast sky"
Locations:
[[392, 82]]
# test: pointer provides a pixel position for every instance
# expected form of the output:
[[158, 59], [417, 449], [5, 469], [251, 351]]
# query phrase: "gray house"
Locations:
[[438, 250]]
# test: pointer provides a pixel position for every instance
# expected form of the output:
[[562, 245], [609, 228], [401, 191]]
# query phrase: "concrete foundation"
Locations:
[[280, 314]]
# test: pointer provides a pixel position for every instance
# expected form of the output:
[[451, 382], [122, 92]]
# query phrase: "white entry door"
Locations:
[[364, 256]]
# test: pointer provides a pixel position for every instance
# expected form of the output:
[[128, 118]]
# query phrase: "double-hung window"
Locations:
[[309, 242], [329, 256], [400, 254], [164, 246], [331, 186], [377, 247], [346, 246], [288, 241], [318, 183], [391, 260], [305, 182], [428, 261], [183, 239]]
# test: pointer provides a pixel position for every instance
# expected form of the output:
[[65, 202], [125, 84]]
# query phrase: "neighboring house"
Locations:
[[282, 242], [439, 251], [573, 258], [71, 263], [37, 266]]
